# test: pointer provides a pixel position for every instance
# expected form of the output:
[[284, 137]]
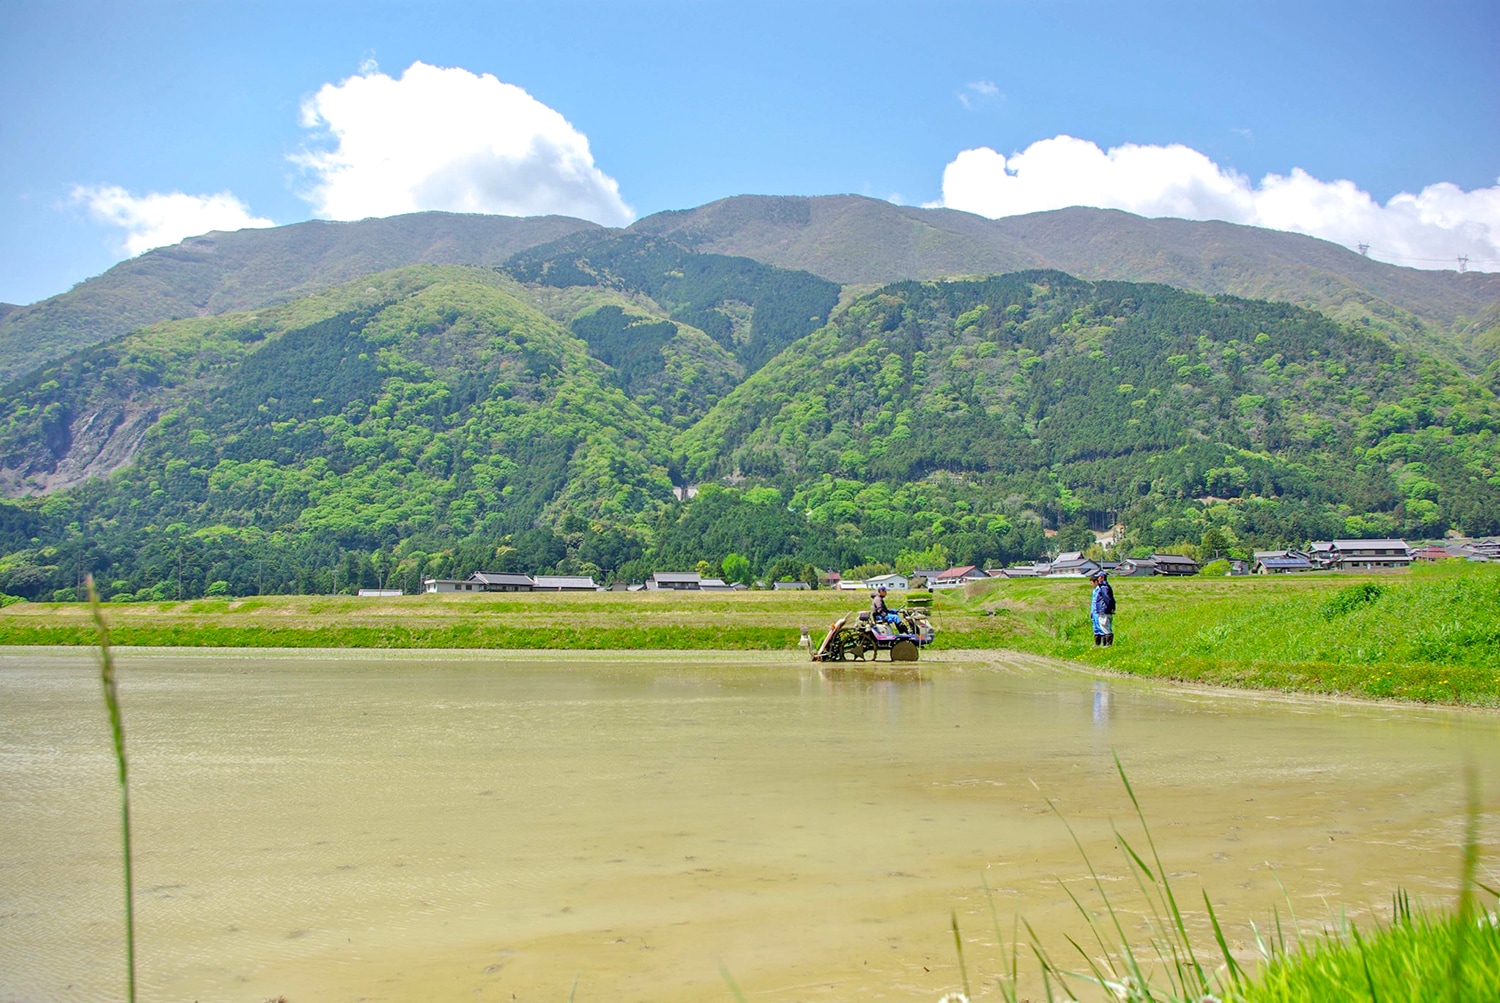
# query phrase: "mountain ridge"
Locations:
[[255, 268], [850, 239], [1458, 315]]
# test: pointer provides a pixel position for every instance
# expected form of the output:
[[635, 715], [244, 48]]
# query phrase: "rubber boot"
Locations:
[[1109, 639]]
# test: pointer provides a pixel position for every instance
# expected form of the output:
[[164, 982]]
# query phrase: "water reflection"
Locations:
[[412, 827], [1104, 703]]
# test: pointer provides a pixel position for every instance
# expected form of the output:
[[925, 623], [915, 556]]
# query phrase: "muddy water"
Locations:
[[418, 827]]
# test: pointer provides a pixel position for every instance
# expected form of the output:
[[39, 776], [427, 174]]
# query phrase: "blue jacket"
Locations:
[[1100, 607]]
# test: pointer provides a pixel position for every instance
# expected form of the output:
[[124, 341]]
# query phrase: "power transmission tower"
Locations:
[[1364, 249], [1463, 263]]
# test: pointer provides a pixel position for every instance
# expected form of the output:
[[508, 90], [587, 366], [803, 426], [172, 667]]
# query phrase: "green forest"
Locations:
[[436, 420]]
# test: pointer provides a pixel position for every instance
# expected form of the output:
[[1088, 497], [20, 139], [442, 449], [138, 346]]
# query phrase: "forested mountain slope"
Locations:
[[846, 239], [434, 420], [857, 240], [1097, 401], [249, 269]]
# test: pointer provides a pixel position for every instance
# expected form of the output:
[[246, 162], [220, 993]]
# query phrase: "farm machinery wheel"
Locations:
[[905, 651]]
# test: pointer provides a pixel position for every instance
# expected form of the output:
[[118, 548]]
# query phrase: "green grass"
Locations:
[[1409, 959], [1429, 635]]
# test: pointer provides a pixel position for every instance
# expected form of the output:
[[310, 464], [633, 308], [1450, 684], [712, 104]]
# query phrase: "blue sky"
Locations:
[[1170, 109]]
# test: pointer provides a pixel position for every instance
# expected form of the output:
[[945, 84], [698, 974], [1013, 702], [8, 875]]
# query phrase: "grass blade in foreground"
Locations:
[[117, 728], [1421, 955]]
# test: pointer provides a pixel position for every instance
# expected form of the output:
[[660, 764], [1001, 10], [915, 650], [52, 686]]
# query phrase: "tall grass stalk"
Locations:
[[1420, 954], [117, 729]]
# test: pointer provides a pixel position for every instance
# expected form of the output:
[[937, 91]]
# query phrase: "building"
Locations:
[[1282, 562], [1136, 567], [379, 593], [490, 581], [925, 577], [1073, 565], [449, 585], [565, 583], [1371, 555], [716, 585], [1174, 564], [677, 581], [1488, 549], [789, 586], [956, 577], [892, 582], [1322, 554]]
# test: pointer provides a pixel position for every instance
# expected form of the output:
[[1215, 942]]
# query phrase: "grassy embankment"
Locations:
[[1431, 634]]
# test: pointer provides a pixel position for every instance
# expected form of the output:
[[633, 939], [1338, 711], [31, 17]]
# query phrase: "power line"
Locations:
[[1464, 260]]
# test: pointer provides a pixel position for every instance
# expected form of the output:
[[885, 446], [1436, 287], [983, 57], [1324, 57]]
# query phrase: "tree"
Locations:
[[1214, 544], [1073, 536], [737, 569]]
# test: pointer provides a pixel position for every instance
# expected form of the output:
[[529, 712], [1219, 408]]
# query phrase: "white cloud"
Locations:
[[445, 138], [1428, 230], [156, 219], [979, 91]]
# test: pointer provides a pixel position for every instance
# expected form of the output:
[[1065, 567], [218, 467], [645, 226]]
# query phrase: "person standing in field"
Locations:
[[1102, 609]]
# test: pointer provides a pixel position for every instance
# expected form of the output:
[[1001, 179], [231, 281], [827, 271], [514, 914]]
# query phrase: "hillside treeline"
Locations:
[[430, 422]]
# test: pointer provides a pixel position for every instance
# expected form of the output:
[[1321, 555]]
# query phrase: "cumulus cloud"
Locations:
[[1430, 229], [157, 219], [446, 138]]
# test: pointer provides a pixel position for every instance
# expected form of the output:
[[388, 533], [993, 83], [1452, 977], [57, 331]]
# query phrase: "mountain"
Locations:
[[862, 241], [439, 419], [250, 269], [857, 242]]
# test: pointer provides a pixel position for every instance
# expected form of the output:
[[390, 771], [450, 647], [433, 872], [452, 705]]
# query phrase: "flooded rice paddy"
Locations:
[[442, 826]]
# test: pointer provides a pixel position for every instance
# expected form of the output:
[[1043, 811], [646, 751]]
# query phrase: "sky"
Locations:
[[126, 125]]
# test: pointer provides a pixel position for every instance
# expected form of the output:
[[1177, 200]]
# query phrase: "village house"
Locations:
[[1174, 564], [1282, 562], [488, 581], [678, 581], [1136, 567], [1370, 555], [956, 577], [565, 583], [893, 582], [1072, 564]]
